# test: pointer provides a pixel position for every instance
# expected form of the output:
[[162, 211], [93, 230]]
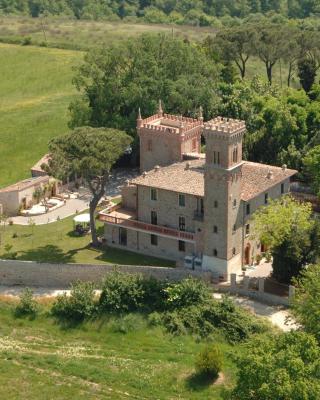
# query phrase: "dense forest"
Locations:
[[197, 12]]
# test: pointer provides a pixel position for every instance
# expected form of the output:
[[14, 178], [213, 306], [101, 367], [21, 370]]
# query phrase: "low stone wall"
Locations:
[[47, 275]]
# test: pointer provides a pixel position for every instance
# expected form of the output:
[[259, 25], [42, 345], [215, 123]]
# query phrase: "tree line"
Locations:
[[202, 12]]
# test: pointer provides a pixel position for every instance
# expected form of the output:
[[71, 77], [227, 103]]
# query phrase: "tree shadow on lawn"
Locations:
[[197, 382], [48, 253]]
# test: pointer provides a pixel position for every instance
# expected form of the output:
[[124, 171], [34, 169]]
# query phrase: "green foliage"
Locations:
[[121, 293], [76, 307], [306, 302], [285, 366], [209, 362], [27, 306], [205, 319], [186, 293], [287, 227], [115, 81], [311, 163], [307, 71], [127, 323]]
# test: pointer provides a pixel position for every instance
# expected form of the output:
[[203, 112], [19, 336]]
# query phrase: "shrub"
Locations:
[[174, 323], [209, 362], [27, 306], [154, 295], [14, 235], [155, 319], [27, 41], [77, 307], [186, 293], [127, 323], [121, 293]]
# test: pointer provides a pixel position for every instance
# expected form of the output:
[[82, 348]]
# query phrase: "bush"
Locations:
[[209, 362], [27, 41], [186, 293], [77, 307], [27, 306], [121, 293], [128, 323]]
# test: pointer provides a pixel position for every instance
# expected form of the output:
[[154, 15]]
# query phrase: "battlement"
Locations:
[[225, 125], [169, 123]]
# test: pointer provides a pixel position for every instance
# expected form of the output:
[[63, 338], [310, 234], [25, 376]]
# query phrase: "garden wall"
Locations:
[[30, 273]]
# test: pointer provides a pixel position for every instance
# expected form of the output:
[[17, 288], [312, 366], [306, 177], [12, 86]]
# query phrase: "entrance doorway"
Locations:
[[247, 254], [122, 236]]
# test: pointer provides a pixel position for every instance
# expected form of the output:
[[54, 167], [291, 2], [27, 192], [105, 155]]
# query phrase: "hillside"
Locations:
[[35, 91]]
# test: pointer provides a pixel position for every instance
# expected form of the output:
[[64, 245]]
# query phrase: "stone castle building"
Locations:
[[189, 206]]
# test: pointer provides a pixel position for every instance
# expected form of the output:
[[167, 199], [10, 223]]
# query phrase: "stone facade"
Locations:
[[200, 207]]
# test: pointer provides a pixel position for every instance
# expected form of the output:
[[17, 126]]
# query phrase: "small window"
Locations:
[[247, 229], [182, 245], [182, 200], [154, 240], [215, 229], [216, 157], [215, 252], [266, 198], [248, 209], [234, 203], [282, 188], [234, 228], [182, 223], [154, 194], [215, 204], [234, 251], [154, 218], [149, 145]]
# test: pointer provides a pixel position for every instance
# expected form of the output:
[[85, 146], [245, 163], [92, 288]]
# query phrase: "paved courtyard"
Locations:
[[74, 206]]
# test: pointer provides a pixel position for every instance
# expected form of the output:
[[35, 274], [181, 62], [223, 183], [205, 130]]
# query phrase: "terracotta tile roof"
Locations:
[[257, 178], [43, 160], [25, 184], [176, 177], [187, 177]]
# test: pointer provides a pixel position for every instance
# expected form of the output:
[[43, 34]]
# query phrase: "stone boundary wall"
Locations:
[[47, 275]]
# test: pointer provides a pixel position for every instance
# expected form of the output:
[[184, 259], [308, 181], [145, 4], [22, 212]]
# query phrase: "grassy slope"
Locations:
[[56, 242], [35, 91], [39, 360]]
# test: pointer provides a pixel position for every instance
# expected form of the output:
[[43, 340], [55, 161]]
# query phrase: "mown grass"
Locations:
[[40, 360], [35, 92], [57, 243]]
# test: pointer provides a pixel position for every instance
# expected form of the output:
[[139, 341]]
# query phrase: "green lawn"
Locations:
[[35, 92], [56, 242], [40, 360]]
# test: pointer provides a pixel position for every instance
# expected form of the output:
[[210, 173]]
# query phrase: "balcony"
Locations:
[[127, 219]]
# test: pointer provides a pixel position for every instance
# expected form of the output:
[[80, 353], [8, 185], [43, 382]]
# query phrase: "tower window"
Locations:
[[266, 198], [182, 200], [234, 228], [154, 194], [215, 204], [235, 155], [154, 240], [235, 203], [215, 229], [247, 229], [282, 188], [234, 251], [216, 157], [215, 252], [248, 209], [182, 245], [149, 145], [182, 223]]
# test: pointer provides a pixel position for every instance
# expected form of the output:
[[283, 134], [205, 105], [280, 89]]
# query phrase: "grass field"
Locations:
[[35, 92], [56, 242], [40, 360], [36, 82]]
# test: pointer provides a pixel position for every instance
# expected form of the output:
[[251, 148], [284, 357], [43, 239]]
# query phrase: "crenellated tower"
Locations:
[[165, 138], [222, 195]]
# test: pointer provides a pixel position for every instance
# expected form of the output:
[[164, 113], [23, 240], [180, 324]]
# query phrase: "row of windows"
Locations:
[[181, 197], [181, 243]]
